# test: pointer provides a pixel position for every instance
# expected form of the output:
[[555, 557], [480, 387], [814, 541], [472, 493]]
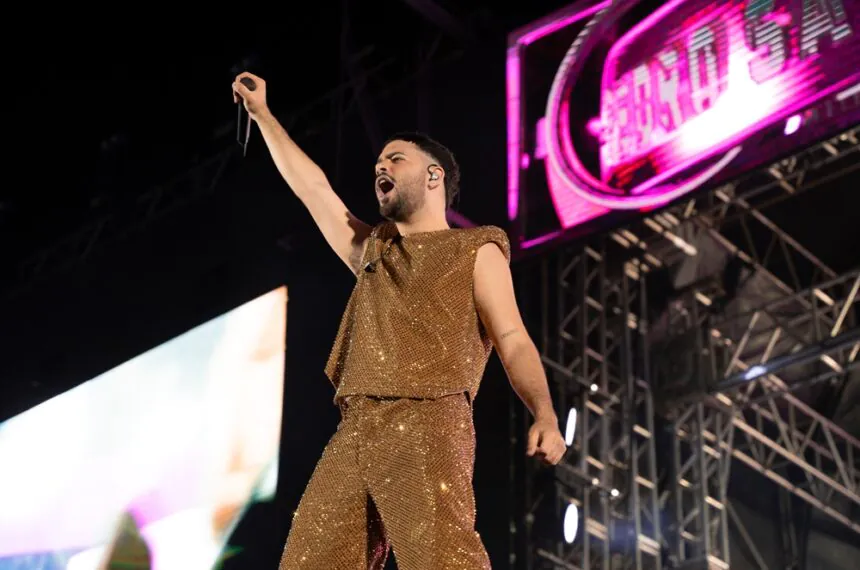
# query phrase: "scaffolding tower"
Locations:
[[671, 397]]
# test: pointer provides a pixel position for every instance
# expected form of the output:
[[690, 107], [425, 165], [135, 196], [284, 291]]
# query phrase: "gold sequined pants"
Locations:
[[397, 471]]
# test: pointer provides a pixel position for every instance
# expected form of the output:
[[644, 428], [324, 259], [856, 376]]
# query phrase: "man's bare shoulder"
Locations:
[[481, 237]]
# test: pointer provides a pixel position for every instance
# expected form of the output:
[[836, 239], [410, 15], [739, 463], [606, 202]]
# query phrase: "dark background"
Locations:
[[113, 110], [116, 112]]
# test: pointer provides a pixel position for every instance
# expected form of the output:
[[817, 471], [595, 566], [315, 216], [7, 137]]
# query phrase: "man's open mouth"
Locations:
[[384, 183]]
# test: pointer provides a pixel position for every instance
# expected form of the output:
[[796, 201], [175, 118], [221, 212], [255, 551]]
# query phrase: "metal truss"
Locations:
[[699, 533], [758, 419], [666, 236], [790, 538], [592, 341], [791, 326]]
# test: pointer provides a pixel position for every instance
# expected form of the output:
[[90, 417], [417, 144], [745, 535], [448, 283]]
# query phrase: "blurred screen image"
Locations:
[[153, 463]]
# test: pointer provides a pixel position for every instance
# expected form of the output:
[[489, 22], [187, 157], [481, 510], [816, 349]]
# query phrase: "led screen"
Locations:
[[152, 463], [617, 108]]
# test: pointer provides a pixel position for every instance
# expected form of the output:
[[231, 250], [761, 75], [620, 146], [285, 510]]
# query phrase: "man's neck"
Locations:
[[422, 226]]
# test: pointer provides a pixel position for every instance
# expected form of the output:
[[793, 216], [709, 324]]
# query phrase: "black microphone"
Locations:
[[252, 86]]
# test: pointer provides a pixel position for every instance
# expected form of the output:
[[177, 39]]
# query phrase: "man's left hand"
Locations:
[[546, 442]]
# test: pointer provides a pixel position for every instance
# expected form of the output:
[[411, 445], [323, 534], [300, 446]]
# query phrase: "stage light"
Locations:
[[570, 428], [754, 372], [792, 124], [571, 523]]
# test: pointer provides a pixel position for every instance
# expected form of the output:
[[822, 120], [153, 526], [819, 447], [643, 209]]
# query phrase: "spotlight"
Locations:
[[571, 523], [792, 125], [570, 428]]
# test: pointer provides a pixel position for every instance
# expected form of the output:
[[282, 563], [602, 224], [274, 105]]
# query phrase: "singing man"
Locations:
[[429, 304]]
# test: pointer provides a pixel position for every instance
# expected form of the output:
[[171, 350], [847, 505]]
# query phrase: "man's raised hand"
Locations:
[[254, 101]]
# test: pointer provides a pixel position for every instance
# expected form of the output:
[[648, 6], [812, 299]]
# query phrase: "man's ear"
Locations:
[[436, 175]]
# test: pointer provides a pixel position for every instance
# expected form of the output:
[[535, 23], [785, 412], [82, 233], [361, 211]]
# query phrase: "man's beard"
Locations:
[[402, 202]]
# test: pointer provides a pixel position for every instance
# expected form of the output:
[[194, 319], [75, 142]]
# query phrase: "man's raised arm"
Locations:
[[346, 234]]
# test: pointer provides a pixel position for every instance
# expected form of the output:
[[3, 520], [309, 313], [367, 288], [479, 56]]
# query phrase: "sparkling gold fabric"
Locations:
[[411, 329], [406, 364], [406, 462]]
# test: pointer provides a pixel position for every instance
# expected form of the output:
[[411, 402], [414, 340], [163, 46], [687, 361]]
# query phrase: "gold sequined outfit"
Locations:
[[406, 365], [410, 329]]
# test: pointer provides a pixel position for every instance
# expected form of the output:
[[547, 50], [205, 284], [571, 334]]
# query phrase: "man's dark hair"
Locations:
[[441, 155]]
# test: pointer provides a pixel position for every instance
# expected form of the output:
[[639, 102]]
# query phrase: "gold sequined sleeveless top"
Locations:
[[411, 328]]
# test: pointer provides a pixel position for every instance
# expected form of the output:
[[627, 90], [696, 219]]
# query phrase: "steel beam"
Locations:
[[790, 539], [750, 545], [697, 497], [700, 476], [761, 422], [773, 426], [592, 343], [808, 308], [790, 266]]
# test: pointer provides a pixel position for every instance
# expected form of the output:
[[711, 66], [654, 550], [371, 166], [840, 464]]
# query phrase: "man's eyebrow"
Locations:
[[389, 156]]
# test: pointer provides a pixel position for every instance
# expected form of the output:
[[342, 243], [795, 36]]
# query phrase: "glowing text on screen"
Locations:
[[689, 93], [690, 60]]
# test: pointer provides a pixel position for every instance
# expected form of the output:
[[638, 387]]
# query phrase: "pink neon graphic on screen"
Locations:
[[726, 111], [727, 106], [555, 25], [577, 210], [570, 205], [513, 100], [563, 161]]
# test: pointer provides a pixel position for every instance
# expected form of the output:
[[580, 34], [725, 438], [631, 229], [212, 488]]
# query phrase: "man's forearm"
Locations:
[[300, 172], [528, 379]]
